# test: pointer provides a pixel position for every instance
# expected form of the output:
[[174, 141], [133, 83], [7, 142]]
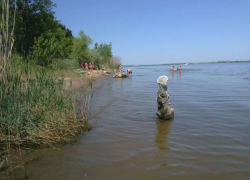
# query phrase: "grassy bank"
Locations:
[[35, 109]]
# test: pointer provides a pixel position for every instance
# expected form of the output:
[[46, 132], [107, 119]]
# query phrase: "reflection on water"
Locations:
[[163, 129]]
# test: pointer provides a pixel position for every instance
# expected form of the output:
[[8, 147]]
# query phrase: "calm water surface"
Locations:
[[209, 137]]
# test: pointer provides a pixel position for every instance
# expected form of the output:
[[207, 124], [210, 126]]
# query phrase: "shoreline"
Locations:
[[77, 86], [84, 87], [79, 83]]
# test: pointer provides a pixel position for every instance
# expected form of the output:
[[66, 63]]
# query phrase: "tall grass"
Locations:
[[35, 110], [112, 63], [31, 106], [115, 61]]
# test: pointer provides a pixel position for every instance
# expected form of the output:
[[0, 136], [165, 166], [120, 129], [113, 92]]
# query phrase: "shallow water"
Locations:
[[209, 137]]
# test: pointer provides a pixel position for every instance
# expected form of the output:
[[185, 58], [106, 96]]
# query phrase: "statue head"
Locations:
[[162, 80]]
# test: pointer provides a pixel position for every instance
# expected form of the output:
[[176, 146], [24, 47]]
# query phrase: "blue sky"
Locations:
[[163, 31]]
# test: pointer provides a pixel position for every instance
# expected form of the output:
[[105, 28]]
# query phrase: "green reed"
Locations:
[[35, 110]]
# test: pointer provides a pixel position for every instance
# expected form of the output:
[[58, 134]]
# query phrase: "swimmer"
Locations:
[[172, 69]]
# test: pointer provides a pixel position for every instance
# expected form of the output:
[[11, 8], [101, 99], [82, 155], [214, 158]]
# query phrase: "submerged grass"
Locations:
[[34, 111]]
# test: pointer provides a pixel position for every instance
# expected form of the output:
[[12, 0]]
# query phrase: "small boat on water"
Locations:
[[186, 64]]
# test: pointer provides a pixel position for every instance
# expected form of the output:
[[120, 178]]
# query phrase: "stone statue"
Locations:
[[120, 69], [120, 73], [164, 109]]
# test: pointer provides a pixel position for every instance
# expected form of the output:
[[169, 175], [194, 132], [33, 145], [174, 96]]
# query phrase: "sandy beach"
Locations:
[[82, 82]]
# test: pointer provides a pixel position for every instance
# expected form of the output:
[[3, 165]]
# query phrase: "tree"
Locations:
[[80, 48], [105, 50], [65, 38], [46, 48], [95, 57], [33, 18], [52, 45]]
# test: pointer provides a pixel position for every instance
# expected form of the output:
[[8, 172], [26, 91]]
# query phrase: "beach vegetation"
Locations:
[[37, 52]]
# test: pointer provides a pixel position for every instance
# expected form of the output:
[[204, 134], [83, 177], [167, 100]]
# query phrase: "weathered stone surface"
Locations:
[[120, 75], [164, 110]]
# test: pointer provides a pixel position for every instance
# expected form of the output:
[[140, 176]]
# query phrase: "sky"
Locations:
[[163, 31]]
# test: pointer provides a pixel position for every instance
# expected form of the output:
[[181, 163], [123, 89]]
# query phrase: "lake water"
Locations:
[[209, 137]]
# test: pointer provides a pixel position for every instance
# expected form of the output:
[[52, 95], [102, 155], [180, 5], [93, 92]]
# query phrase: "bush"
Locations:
[[64, 64]]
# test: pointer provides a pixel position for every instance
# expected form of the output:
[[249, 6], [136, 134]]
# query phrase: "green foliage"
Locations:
[[26, 104], [33, 18], [34, 24], [64, 64], [65, 38], [95, 57], [43, 40], [51, 46], [105, 50], [100, 55], [80, 48], [46, 48]]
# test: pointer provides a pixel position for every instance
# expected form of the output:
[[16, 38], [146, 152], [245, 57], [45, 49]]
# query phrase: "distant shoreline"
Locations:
[[239, 61]]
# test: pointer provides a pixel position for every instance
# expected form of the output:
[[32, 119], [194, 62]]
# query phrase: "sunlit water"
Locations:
[[209, 137]]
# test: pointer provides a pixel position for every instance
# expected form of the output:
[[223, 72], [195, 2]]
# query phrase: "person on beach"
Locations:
[[164, 109], [129, 71], [91, 66], [80, 64], [86, 67], [180, 68]]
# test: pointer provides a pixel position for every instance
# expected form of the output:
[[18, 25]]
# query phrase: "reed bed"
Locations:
[[35, 111]]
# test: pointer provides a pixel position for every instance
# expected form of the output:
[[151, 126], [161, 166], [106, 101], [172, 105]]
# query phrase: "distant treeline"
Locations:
[[238, 61], [41, 39]]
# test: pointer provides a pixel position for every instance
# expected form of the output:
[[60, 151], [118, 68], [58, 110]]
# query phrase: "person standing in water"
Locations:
[[180, 70], [172, 69], [129, 71]]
